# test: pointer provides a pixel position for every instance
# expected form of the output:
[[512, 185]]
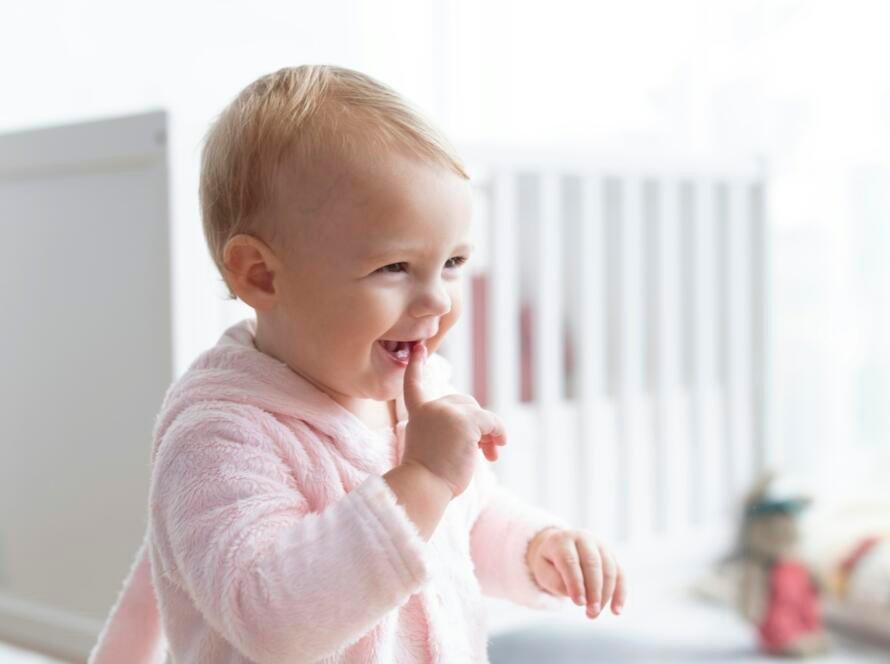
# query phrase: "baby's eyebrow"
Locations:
[[380, 254]]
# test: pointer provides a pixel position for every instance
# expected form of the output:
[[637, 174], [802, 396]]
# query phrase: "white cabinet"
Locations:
[[85, 309]]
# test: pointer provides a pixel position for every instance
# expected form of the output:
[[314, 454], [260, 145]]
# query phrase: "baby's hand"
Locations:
[[573, 563]]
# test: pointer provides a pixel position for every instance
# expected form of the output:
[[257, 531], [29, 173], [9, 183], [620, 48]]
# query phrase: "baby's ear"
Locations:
[[251, 268]]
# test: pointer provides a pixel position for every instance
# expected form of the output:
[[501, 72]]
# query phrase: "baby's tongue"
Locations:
[[400, 349]]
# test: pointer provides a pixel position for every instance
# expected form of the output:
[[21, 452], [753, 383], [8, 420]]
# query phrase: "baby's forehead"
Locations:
[[303, 194], [350, 205], [367, 182]]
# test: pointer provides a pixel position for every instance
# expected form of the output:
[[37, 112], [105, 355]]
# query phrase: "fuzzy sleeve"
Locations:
[[279, 582], [132, 631], [499, 541]]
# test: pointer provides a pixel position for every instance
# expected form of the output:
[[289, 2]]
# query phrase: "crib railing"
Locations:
[[616, 318]]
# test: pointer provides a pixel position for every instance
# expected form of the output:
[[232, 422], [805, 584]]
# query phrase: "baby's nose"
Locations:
[[435, 301]]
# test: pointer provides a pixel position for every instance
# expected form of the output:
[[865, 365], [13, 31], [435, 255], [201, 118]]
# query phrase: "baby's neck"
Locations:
[[378, 414]]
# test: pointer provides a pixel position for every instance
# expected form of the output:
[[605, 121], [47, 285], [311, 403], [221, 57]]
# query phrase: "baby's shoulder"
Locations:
[[240, 425], [235, 443]]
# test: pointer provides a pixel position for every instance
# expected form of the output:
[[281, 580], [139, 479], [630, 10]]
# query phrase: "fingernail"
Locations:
[[579, 600], [595, 608]]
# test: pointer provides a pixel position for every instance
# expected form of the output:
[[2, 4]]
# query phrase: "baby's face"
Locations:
[[377, 255]]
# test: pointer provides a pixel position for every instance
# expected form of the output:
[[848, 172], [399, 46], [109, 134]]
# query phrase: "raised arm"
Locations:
[[281, 583]]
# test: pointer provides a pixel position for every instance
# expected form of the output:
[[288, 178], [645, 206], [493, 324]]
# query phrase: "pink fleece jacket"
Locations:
[[273, 538]]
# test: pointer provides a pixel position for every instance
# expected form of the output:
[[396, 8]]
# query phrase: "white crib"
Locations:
[[616, 319]]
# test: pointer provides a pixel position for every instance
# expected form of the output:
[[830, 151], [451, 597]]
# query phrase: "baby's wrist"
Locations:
[[535, 542], [444, 488]]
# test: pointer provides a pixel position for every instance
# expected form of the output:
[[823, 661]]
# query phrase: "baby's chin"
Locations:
[[379, 388], [390, 392]]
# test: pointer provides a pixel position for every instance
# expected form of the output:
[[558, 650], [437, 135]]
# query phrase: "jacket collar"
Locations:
[[235, 370]]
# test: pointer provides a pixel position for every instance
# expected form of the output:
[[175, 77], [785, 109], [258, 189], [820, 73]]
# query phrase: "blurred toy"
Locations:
[[777, 592]]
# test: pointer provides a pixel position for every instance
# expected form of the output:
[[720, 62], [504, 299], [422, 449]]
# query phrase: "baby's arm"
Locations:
[[499, 542], [279, 582], [423, 495]]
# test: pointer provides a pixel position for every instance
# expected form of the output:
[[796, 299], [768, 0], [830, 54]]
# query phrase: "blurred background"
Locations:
[[701, 187]]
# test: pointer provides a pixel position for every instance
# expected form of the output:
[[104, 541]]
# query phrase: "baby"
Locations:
[[316, 490]]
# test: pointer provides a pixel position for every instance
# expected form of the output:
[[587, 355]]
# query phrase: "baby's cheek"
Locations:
[[445, 323]]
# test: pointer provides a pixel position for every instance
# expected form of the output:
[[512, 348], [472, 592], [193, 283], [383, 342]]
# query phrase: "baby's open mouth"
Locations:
[[400, 350]]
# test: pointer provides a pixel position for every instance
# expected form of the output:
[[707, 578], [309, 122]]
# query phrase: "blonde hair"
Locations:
[[298, 113]]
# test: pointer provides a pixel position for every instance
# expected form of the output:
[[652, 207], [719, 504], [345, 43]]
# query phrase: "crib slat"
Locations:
[[515, 466], [551, 442], [766, 451], [546, 294], [738, 341], [707, 439], [504, 301], [636, 458], [597, 433], [670, 421]]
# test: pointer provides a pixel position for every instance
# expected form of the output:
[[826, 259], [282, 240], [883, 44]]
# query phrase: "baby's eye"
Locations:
[[459, 260], [385, 267]]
